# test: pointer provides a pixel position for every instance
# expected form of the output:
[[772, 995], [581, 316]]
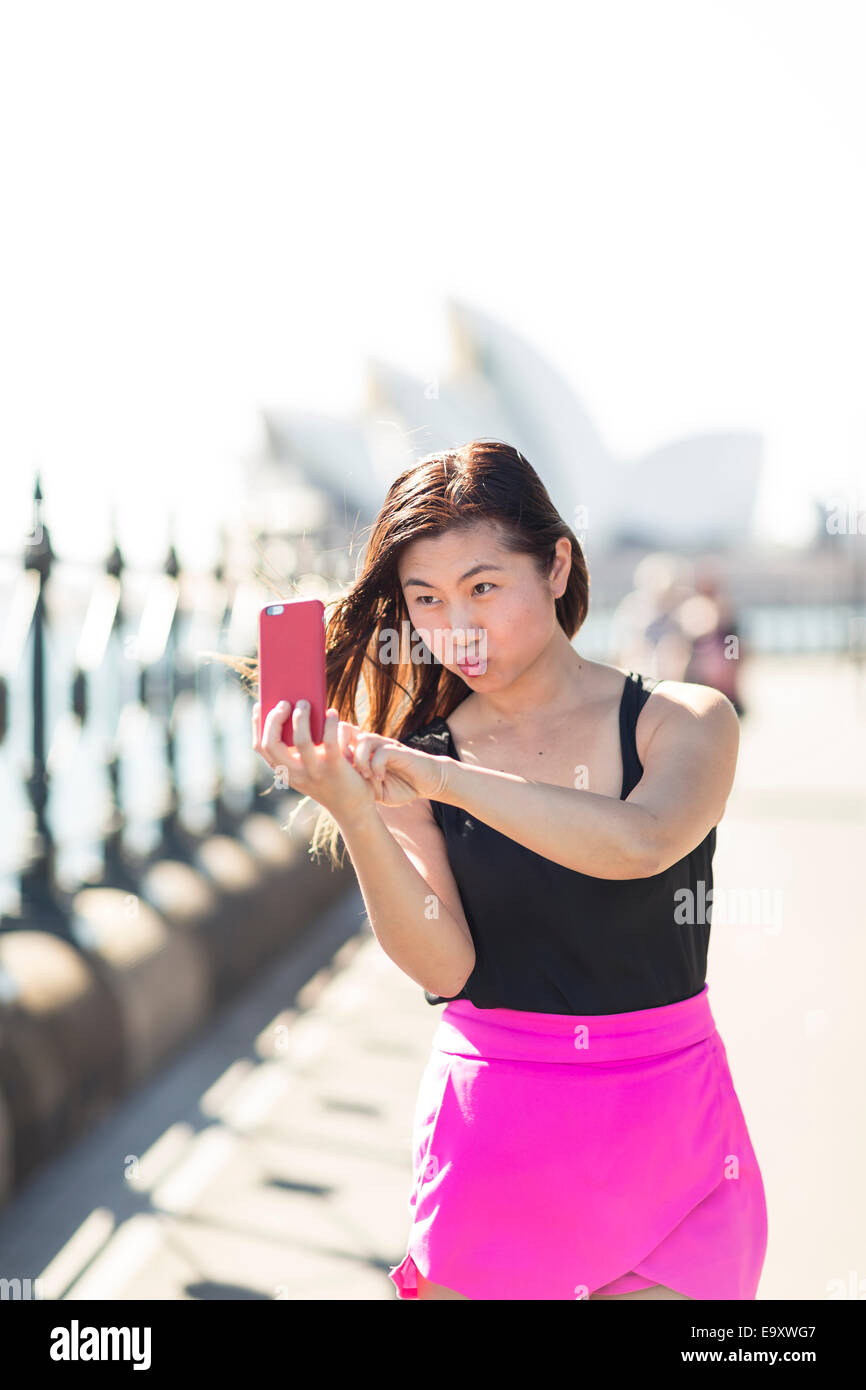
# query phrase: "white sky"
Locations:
[[210, 206]]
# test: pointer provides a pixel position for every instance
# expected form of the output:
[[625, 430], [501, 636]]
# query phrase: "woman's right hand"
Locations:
[[323, 770]]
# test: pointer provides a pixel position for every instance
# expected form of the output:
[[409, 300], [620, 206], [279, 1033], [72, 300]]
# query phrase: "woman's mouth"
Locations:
[[476, 667]]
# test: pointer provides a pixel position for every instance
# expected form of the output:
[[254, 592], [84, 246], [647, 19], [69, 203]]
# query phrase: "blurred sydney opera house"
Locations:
[[695, 497]]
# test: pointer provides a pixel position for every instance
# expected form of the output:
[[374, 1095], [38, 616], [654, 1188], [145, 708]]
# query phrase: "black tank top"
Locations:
[[551, 940]]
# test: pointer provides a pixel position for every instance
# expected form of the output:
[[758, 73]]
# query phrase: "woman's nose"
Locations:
[[467, 642]]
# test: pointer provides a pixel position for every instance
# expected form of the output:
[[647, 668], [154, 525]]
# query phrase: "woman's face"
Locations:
[[484, 612]]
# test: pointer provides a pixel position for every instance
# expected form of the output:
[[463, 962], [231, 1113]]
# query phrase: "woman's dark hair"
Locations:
[[483, 481]]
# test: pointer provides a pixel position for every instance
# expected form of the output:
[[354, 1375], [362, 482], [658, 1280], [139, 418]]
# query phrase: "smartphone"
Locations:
[[292, 662]]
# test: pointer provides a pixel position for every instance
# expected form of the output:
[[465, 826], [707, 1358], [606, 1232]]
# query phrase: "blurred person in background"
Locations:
[[708, 620], [647, 634]]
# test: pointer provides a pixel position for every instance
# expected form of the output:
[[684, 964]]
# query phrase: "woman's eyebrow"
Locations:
[[476, 569]]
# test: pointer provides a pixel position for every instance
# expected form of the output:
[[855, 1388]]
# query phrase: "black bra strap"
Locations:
[[637, 692]]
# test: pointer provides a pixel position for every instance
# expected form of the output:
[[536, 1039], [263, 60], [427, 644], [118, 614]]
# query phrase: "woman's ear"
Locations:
[[561, 567]]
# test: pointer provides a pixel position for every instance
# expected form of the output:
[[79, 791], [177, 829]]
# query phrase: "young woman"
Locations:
[[533, 836]]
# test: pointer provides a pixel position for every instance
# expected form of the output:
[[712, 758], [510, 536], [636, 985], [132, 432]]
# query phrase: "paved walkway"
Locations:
[[787, 989], [273, 1159]]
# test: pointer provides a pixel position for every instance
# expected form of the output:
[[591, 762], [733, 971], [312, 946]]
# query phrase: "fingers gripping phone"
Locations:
[[292, 662]]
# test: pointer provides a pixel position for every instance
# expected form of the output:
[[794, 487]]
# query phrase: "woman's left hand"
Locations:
[[397, 773]]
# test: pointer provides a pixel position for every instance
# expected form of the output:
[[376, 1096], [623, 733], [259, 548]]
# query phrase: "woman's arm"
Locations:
[[689, 766], [412, 901], [415, 912]]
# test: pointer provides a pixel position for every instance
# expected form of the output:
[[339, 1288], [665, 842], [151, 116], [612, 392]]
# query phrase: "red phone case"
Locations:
[[292, 661]]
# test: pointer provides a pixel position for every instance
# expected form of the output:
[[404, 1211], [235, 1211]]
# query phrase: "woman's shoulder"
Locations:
[[698, 699], [684, 709]]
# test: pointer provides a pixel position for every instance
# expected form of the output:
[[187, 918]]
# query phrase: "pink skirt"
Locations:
[[561, 1155]]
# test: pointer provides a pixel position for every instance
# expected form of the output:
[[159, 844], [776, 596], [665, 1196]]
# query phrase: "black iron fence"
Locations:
[[146, 878]]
